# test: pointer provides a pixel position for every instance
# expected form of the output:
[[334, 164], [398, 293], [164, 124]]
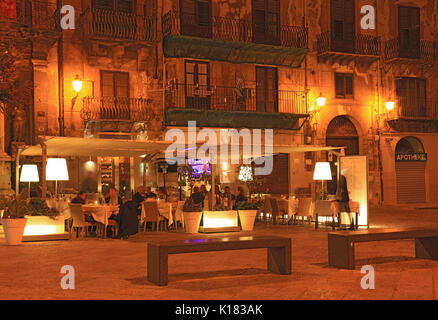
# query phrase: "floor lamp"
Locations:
[[29, 173], [56, 170], [322, 172]]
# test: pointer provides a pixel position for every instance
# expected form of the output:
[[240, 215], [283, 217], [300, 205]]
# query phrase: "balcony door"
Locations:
[[196, 18], [266, 21], [197, 88], [411, 97], [115, 95], [343, 26], [409, 32], [266, 90]]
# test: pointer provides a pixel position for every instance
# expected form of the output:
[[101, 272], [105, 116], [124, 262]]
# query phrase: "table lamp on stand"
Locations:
[[56, 170], [322, 172], [29, 173]]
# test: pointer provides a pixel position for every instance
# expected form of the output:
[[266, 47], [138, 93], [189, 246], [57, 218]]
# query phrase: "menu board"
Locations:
[[355, 171]]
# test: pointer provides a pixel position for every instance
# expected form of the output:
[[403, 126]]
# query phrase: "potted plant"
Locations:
[[247, 214], [14, 220], [192, 214]]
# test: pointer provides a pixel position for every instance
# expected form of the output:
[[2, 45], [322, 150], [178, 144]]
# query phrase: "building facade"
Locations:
[[149, 65]]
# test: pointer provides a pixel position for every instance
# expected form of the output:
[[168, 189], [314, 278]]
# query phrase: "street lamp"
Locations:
[[389, 105], [77, 84], [320, 101]]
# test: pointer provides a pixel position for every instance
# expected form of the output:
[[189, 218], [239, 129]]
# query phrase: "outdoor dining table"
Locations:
[[164, 208], [101, 213], [289, 206]]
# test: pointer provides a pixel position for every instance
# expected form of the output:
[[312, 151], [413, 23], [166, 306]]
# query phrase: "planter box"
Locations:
[[220, 221], [247, 219], [40, 228], [192, 221]]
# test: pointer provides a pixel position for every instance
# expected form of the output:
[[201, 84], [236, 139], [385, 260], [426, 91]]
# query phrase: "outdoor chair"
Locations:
[[303, 209], [267, 209], [152, 214], [276, 212], [78, 217], [179, 214], [323, 209]]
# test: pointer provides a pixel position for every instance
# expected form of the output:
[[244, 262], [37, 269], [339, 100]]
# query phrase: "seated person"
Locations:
[[228, 197], [80, 198], [113, 199], [241, 195], [197, 196], [139, 197], [162, 193], [149, 193]]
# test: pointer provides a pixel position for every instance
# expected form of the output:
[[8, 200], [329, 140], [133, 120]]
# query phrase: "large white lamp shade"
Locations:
[[56, 169], [322, 171], [29, 173]]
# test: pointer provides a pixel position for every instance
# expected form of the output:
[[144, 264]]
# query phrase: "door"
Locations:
[[266, 21], [266, 89], [115, 96], [343, 26], [197, 88], [409, 32], [196, 18]]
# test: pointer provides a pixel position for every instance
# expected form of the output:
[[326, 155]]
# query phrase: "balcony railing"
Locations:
[[236, 30], [417, 108], [117, 109], [38, 15], [361, 44], [235, 99], [108, 24], [423, 49]]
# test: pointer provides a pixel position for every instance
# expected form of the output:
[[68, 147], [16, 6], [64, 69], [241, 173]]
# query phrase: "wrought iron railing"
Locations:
[[235, 99], [415, 107], [38, 15], [117, 109], [360, 44], [110, 24], [423, 49], [236, 30]]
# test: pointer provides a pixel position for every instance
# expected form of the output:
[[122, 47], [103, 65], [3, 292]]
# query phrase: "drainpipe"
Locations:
[[60, 79]]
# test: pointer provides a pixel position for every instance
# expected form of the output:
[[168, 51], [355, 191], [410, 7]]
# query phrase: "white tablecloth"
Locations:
[[101, 213], [164, 208], [61, 206]]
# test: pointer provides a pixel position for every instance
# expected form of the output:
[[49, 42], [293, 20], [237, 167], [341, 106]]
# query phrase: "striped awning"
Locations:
[[176, 46]]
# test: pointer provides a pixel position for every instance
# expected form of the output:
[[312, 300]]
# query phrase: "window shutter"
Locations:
[[188, 7], [107, 79], [339, 85], [103, 4], [149, 8], [349, 85], [126, 6], [122, 84], [203, 13], [400, 87]]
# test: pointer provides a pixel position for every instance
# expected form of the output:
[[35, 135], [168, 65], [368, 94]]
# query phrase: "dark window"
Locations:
[[266, 21], [115, 95], [343, 85], [266, 89], [149, 8], [196, 18], [343, 26], [197, 88], [127, 6], [411, 97], [409, 31]]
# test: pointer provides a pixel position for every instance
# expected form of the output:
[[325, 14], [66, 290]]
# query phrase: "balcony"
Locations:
[[417, 108], [110, 25], [217, 106], [362, 46], [235, 30], [423, 50], [38, 15], [117, 109]]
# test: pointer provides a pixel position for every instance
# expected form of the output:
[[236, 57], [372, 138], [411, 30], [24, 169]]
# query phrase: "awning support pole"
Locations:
[[17, 171], [43, 168]]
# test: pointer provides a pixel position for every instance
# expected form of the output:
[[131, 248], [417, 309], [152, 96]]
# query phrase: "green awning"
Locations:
[[234, 52]]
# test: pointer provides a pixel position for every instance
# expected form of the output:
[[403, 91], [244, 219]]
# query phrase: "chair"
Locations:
[[276, 212], [179, 214], [267, 208], [78, 219], [323, 208], [303, 209], [152, 214]]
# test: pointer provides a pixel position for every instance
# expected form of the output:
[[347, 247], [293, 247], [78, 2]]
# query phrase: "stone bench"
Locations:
[[341, 243], [278, 251]]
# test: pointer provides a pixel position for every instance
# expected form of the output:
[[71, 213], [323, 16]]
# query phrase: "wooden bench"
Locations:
[[279, 252], [341, 243]]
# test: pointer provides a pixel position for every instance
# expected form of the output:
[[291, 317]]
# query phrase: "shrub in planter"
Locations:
[[247, 214], [14, 221], [192, 214]]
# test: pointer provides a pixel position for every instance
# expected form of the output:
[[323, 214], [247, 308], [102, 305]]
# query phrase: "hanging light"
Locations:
[[320, 101], [245, 173], [77, 84]]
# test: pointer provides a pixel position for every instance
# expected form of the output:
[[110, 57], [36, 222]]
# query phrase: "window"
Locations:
[[343, 85], [342, 24], [409, 31], [115, 95], [411, 96], [126, 6], [196, 18], [266, 89], [266, 21], [197, 80]]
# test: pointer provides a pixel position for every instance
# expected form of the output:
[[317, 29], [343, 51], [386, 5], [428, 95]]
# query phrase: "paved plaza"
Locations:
[[116, 269]]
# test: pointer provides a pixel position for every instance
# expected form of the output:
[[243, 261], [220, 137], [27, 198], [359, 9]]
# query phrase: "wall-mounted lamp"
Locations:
[[320, 101], [77, 84], [389, 105]]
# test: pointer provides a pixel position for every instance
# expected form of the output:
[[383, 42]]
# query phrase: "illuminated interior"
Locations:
[[220, 219]]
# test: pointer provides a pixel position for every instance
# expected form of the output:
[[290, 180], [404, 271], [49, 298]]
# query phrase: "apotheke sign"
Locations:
[[411, 157]]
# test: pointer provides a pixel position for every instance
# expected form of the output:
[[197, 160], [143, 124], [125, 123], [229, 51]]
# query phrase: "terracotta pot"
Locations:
[[14, 229], [247, 219], [192, 221]]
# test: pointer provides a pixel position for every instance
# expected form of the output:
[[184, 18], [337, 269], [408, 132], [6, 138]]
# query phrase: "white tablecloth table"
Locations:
[[61, 206], [164, 209], [101, 213]]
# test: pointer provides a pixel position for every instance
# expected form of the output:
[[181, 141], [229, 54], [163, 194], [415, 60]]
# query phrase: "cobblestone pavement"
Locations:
[[116, 269]]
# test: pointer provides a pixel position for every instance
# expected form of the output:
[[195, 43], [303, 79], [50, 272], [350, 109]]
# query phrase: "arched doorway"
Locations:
[[410, 167], [341, 132]]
